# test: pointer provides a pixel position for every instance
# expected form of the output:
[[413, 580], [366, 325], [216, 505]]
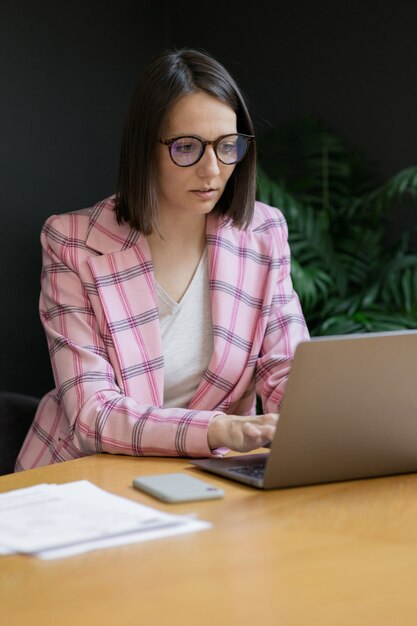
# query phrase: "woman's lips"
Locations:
[[204, 194]]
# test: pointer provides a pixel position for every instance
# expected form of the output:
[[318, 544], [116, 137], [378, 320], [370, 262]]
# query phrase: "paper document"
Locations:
[[52, 521]]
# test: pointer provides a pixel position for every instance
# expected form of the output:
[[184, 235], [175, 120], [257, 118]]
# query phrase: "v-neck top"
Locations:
[[187, 337]]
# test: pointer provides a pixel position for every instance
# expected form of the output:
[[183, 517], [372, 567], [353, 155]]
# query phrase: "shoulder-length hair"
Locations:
[[174, 74]]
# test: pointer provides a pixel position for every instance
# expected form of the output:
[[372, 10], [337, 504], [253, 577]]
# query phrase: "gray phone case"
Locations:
[[177, 487]]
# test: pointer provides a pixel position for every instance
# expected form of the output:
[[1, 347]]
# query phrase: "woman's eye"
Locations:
[[185, 147], [227, 148]]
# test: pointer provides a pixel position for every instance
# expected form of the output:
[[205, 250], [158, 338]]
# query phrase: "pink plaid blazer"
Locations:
[[98, 307]]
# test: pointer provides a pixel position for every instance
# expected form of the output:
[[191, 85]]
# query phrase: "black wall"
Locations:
[[67, 71]]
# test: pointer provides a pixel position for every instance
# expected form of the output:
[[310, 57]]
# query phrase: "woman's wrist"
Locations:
[[216, 434]]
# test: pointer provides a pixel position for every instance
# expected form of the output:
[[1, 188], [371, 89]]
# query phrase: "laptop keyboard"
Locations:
[[255, 471]]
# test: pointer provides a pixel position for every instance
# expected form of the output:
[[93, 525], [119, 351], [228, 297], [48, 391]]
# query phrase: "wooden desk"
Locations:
[[337, 554]]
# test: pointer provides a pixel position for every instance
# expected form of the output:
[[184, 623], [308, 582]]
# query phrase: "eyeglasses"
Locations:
[[229, 149]]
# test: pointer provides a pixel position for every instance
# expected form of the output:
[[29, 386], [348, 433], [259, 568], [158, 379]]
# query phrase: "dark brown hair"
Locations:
[[173, 74]]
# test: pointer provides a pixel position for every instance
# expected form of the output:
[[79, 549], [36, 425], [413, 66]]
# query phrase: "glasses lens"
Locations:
[[186, 151], [232, 149]]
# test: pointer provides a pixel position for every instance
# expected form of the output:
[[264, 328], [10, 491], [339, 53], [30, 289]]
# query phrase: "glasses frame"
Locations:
[[204, 143]]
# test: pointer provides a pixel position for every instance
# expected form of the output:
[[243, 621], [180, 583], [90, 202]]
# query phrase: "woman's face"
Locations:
[[194, 190]]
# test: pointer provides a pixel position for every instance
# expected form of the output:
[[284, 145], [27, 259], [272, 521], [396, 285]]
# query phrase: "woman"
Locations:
[[168, 306]]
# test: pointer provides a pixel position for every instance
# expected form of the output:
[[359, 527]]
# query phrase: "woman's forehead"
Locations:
[[199, 113]]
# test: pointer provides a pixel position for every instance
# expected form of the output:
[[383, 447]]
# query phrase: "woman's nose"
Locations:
[[208, 164]]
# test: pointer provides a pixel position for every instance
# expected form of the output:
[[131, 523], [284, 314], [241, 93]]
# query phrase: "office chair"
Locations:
[[17, 411]]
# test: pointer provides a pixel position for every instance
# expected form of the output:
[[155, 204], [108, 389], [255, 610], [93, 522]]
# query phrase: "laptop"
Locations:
[[349, 411]]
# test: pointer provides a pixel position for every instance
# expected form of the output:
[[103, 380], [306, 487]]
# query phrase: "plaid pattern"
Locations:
[[98, 307]]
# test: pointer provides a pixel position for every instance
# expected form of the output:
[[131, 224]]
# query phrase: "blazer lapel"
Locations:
[[123, 276], [238, 268]]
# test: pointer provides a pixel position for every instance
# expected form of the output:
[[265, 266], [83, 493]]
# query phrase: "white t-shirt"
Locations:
[[187, 337]]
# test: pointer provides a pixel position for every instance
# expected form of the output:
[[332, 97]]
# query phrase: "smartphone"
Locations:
[[177, 487]]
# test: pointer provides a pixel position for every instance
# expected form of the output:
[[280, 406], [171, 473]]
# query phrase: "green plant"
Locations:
[[351, 276]]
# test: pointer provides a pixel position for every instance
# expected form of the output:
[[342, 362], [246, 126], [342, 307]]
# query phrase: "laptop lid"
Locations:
[[349, 411]]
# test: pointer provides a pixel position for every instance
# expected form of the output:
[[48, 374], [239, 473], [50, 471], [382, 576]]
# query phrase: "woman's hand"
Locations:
[[242, 433]]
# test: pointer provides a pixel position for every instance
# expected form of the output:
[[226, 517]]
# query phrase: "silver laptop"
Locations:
[[349, 411]]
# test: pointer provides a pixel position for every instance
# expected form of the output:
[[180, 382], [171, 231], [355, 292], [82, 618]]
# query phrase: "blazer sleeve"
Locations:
[[99, 416], [286, 325]]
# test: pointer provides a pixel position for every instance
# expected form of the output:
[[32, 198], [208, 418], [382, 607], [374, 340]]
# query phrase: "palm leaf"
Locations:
[[395, 188]]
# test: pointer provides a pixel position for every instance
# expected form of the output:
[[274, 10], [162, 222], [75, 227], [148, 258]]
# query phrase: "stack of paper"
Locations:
[[52, 521]]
